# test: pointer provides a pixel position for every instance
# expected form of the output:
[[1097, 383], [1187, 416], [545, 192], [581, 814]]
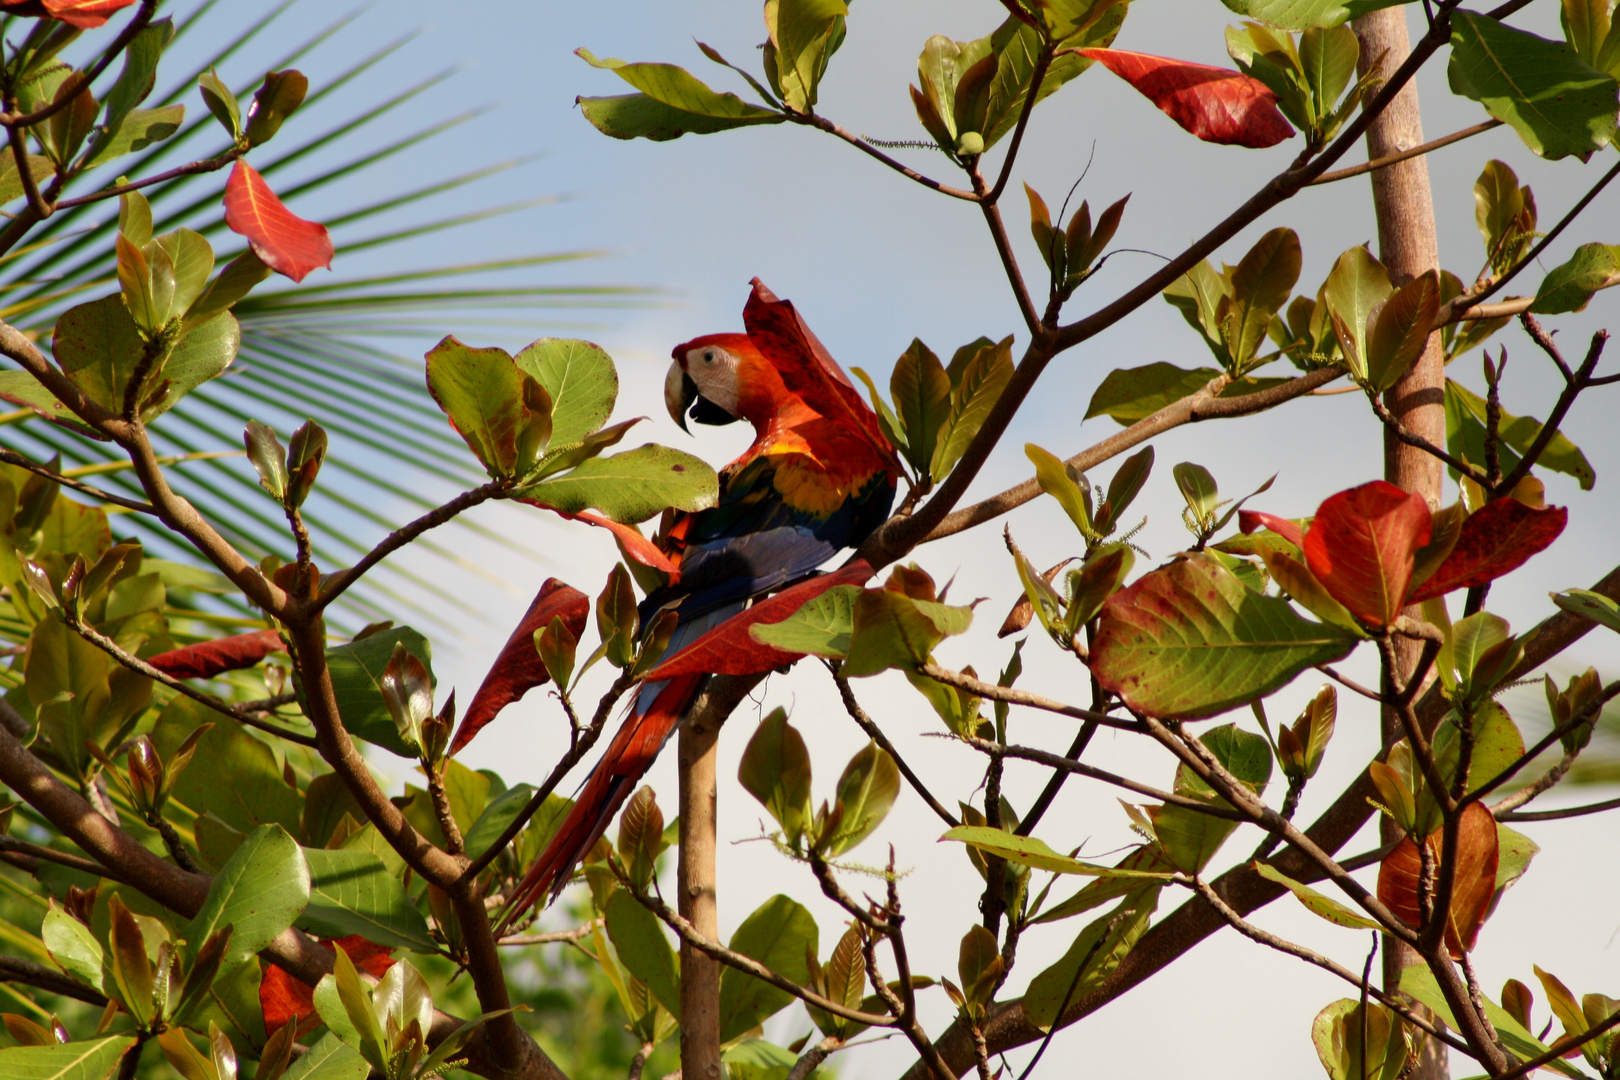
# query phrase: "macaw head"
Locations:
[[720, 378]]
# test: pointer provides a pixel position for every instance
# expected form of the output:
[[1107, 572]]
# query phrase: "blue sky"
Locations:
[[873, 261]]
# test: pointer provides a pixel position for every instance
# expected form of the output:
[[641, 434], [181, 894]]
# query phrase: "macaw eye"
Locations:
[[708, 356]]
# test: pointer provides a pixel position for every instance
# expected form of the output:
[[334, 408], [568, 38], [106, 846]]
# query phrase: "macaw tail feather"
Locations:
[[625, 761]]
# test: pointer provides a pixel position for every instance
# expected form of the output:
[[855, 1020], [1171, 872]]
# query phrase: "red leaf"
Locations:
[[1218, 105], [1495, 539], [728, 649], [807, 368], [518, 668], [209, 658], [1473, 883], [285, 242], [1362, 544], [635, 545], [85, 14], [1251, 521], [285, 998]]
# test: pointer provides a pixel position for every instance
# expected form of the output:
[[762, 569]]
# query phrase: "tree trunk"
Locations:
[[1407, 246], [700, 976]]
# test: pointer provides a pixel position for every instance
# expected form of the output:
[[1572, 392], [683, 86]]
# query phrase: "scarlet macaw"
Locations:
[[819, 477]]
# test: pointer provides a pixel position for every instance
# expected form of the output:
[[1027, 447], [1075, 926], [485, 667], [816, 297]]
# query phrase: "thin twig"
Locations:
[[747, 964], [1559, 815], [1574, 383], [141, 667], [1288, 948], [875, 733], [1413, 439], [823, 124], [11, 457], [1009, 259], [1396, 159], [335, 585], [992, 692], [578, 750], [1080, 768]]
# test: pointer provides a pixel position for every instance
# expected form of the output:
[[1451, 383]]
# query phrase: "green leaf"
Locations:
[[498, 813], [633, 486], [1096, 893], [21, 388], [1570, 285], [1096, 951], [1418, 981], [1198, 295], [1360, 1042], [1131, 394], [638, 938], [203, 352], [352, 892], [922, 400], [893, 630], [139, 73], [481, 391], [1400, 330], [259, 892], [976, 388], [357, 669], [866, 790], [1190, 641], [256, 795], [11, 185], [1293, 14], [775, 770], [329, 1059], [73, 947], [1465, 437], [141, 129], [1054, 478], [582, 382], [1590, 605], [803, 36], [1029, 851], [672, 103], [780, 934], [88, 1060], [1557, 103], [221, 102], [1325, 906], [280, 96], [822, 627], [1261, 284], [1356, 286]]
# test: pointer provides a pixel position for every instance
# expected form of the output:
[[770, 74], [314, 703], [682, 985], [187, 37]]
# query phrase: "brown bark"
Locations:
[[1408, 247], [700, 974]]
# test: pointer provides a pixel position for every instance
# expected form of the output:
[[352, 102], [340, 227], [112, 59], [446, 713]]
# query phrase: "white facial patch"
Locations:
[[714, 370]]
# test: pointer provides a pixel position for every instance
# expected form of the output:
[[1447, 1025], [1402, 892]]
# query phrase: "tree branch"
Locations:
[[875, 733], [17, 970]]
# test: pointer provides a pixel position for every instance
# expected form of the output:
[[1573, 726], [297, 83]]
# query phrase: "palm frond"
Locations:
[[331, 349]]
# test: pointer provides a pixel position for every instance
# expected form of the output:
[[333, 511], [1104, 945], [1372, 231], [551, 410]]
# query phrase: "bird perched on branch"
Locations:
[[818, 478]]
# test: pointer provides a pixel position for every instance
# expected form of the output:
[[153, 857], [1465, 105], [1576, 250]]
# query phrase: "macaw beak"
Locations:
[[679, 394]]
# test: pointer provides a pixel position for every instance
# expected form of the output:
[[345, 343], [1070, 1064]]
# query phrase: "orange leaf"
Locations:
[[1473, 883], [636, 546], [206, 659], [85, 14], [1495, 539], [285, 998], [1362, 546], [518, 669], [1216, 104], [285, 242]]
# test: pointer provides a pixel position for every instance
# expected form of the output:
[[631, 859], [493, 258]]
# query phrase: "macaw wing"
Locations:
[[755, 541], [807, 368]]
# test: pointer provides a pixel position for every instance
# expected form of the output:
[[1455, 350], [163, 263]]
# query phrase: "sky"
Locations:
[[872, 261]]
